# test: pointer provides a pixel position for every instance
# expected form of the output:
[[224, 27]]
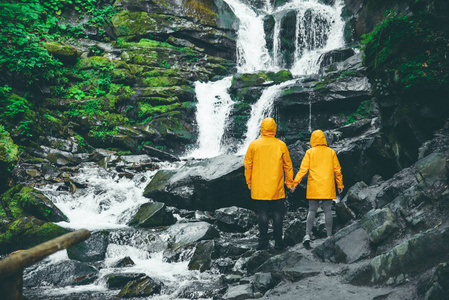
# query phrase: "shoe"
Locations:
[[262, 246], [306, 240], [279, 246]]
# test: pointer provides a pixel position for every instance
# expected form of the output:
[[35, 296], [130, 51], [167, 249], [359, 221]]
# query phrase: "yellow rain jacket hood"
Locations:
[[268, 165], [324, 169]]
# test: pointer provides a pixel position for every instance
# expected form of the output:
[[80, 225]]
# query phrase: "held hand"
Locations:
[[340, 190], [292, 189]]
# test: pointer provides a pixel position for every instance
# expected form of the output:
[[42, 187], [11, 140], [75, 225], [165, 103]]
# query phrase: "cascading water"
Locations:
[[107, 203], [319, 29], [214, 106]]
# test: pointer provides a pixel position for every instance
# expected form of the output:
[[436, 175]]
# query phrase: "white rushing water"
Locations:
[[319, 29], [108, 203], [214, 106]]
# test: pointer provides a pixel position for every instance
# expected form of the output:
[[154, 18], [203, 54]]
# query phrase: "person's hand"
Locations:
[[340, 190], [292, 189]]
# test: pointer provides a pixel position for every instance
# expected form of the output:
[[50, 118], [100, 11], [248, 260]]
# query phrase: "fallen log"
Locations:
[[11, 267]]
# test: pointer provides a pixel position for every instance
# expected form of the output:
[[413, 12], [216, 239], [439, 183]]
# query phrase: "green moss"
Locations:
[[406, 54], [147, 109], [28, 232], [52, 119], [8, 150]]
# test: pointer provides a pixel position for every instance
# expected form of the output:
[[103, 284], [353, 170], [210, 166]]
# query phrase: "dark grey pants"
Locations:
[[277, 207], [313, 207]]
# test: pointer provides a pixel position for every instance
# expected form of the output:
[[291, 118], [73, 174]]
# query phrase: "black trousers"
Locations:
[[277, 207]]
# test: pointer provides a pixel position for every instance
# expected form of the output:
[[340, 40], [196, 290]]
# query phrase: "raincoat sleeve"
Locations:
[[248, 162], [305, 165], [288, 168], [337, 173]]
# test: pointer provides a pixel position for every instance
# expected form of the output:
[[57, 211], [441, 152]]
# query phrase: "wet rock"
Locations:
[[344, 213], [233, 249], [348, 245], [290, 265], [353, 247], [179, 253], [62, 274], [409, 258], [118, 281], [141, 287], [153, 152], [235, 219], [101, 154], [379, 224], [202, 257], [294, 233], [27, 232], [91, 250], [21, 201], [187, 233], [198, 290], [263, 282], [202, 185], [60, 158], [438, 286], [356, 200], [124, 262], [152, 215], [331, 57], [239, 292], [256, 260]]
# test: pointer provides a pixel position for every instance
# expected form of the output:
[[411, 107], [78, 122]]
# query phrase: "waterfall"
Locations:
[[319, 29], [214, 106], [260, 110]]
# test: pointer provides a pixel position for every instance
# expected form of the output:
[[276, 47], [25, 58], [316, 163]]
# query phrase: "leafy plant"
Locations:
[[406, 54]]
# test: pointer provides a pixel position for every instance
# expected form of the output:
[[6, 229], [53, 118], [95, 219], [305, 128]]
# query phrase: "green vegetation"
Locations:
[[406, 54], [363, 111]]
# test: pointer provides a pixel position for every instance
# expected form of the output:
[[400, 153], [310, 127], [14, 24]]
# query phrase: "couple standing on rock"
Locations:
[[268, 167]]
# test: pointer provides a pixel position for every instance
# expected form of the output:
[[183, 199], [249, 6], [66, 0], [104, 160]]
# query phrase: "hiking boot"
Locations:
[[306, 240], [279, 245], [262, 246]]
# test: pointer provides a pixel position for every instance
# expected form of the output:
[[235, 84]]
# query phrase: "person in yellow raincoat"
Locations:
[[267, 167], [324, 170]]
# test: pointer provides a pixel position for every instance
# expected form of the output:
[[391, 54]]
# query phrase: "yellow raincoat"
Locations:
[[324, 169], [267, 160]]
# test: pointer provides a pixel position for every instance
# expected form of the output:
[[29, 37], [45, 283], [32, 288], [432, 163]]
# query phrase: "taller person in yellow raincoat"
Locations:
[[324, 170], [267, 167]]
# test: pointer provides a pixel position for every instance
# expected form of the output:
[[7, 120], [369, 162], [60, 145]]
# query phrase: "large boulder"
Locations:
[[141, 287], [203, 185], [421, 252], [235, 219], [27, 232], [152, 215], [348, 245], [188, 233], [379, 224], [61, 274], [91, 250], [21, 201]]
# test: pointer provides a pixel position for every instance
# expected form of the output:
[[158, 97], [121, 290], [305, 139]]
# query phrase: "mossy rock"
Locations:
[[98, 62], [21, 201], [281, 76], [8, 150], [248, 80], [66, 54], [152, 215], [147, 110], [142, 287], [27, 232]]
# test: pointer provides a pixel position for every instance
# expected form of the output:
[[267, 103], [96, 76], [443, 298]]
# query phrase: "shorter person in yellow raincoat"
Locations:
[[324, 170], [267, 167]]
